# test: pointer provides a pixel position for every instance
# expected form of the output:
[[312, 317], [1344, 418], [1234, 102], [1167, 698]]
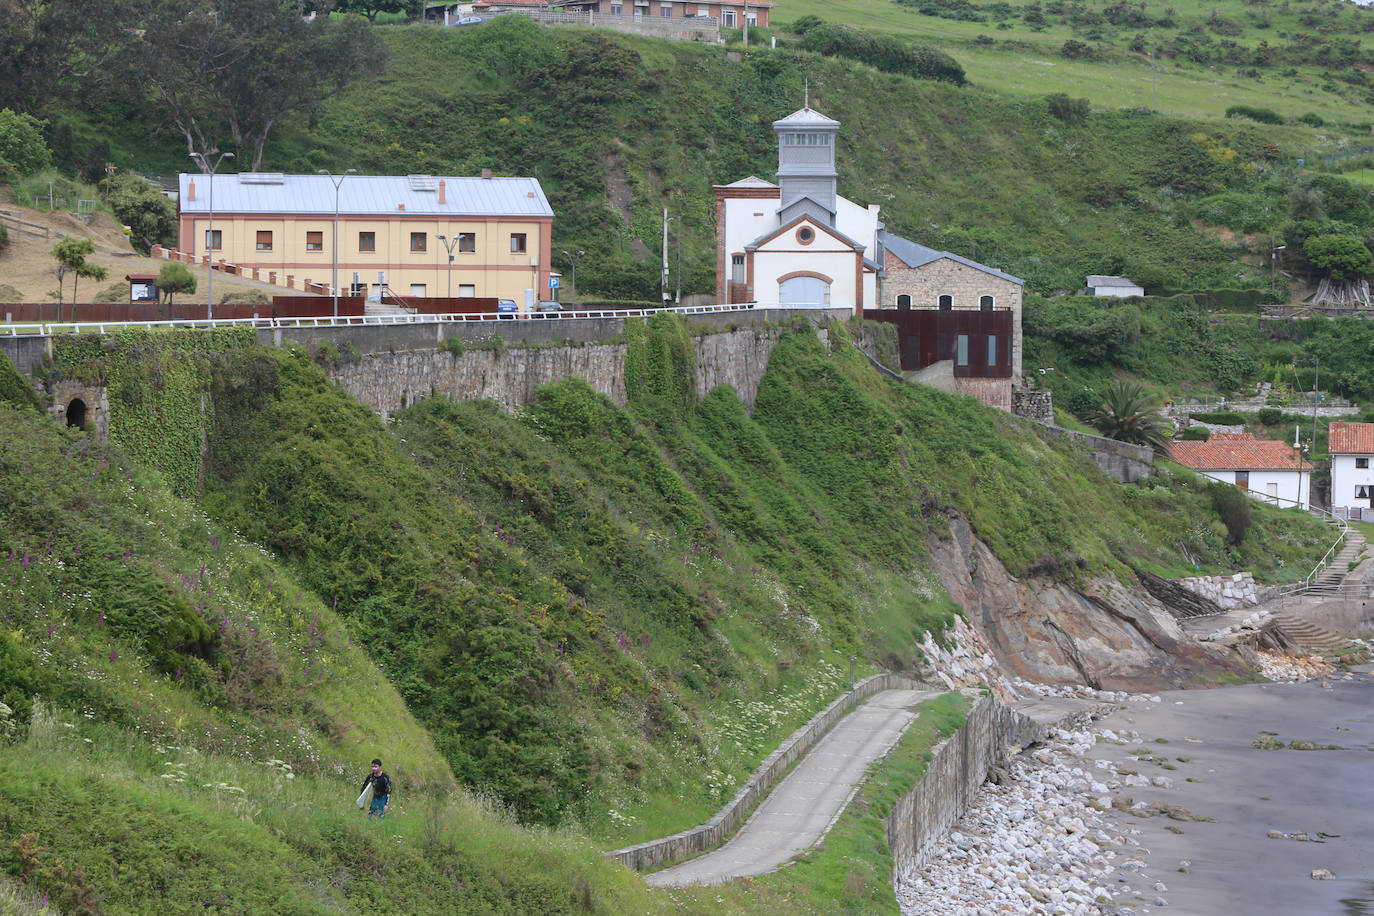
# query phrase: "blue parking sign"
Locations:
[[553, 283]]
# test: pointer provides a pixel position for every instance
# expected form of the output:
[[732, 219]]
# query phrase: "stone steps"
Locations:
[[1309, 635]]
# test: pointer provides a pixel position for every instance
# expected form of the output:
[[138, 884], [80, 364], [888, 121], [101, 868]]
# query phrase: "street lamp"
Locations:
[[210, 233], [572, 259], [449, 244], [336, 180], [677, 297]]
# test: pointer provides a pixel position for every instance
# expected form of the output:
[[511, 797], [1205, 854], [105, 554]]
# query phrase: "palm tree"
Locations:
[[1127, 412]]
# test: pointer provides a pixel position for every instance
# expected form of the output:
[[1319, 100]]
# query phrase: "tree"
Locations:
[[71, 258], [21, 142], [370, 8], [242, 66], [1126, 412], [172, 279], [1343, 258], [139, 205]]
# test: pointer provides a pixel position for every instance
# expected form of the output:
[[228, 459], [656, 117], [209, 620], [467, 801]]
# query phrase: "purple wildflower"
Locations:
[[112, 655], [101, 621], [25, 564], [178, 677]]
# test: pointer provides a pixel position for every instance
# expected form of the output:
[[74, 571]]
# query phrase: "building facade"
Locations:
[[797, 243], [394, 232], [1352, 478], [731, 15], [1269, 471]]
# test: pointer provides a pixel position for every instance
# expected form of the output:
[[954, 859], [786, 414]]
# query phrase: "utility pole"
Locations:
[[336, 180], [1316, 387], [1154, 82], [746, 23], [677, 298], [663, 282]]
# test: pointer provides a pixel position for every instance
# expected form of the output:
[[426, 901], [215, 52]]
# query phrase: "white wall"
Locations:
[[741, 225], [1117, 292], [1294, 486], [1345, 477]]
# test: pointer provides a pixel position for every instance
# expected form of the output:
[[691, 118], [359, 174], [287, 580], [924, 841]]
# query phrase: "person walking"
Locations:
[[381, 790]]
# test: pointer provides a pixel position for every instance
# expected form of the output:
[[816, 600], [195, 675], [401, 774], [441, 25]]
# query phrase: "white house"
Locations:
[[1270, 471], [1113, 287], [797, 243], [1352, 480]]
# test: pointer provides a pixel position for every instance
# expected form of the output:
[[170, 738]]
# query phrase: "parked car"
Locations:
[[467, 20], [550, 305], [507, 307]]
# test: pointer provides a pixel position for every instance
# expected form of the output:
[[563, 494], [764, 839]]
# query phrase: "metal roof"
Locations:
[[914, 255], [251, 192], [806, 117], [1096, 280]]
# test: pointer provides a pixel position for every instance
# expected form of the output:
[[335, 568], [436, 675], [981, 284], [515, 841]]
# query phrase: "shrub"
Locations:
[[1311, 119], [21, 142], [1231, 503], [115, 292], [1219, 417], [10, 293], [1270, 416], [1262, 115], [1070, 111], [1074, 49], [4, 238], [1196, 434], [889, 54], [141, 206]]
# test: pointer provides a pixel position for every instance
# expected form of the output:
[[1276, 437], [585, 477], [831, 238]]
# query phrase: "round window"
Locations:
[[805, 235]]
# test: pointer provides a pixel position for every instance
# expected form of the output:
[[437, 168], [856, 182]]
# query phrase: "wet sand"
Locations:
[[1234, 867]]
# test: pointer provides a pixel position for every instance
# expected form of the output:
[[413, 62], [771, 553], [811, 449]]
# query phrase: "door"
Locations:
[[1271, 490]]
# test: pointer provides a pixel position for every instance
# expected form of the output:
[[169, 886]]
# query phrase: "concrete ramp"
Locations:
[[802, 808]]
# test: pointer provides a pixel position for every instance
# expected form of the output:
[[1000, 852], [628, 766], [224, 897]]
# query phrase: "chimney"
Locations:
[[443, 194], [486, 173], [191, 191], [400, 206]]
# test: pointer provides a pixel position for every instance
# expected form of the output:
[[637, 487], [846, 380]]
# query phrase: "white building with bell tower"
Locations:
[[797, 243]]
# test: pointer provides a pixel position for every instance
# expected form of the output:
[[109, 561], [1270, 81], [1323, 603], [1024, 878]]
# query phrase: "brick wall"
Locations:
[[994, 392]]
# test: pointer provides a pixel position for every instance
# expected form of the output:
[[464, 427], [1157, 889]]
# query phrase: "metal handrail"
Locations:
[[49, 329]]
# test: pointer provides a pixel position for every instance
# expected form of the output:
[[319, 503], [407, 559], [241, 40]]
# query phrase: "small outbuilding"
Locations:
[[1113, 287]]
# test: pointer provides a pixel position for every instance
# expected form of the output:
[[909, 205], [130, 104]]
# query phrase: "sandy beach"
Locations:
[[1276, 815], [1255, 799]]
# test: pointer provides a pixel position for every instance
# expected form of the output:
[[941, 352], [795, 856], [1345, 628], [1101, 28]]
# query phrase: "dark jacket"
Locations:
[[381, 784]]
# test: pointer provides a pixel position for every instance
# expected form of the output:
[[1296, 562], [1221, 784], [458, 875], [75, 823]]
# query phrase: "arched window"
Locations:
[[946, 303], [804, 292], [985, 303], [904, 302]]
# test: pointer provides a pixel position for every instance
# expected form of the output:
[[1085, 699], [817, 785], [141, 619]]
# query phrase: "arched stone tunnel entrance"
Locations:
[[76, 413]]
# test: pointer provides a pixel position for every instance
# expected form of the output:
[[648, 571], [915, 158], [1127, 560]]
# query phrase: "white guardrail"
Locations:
[[47, 329]]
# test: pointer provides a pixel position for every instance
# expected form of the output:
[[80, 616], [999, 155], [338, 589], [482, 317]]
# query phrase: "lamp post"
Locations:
[[677, 296], [449, 243], [210, 233], [336, 180], [572, 259]]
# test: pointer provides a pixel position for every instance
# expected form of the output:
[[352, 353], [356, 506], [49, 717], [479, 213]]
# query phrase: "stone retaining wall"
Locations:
[[1230, 592], [1121, 461], [688, 843], [958, 767]]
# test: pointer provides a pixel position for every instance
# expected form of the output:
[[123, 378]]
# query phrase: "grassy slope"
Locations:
[[715, 551]]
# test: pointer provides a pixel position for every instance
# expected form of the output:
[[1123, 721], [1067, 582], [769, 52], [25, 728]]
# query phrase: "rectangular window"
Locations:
[[962, 357], [1361, 462], [737, 272], [367, 241], [213, 239], [419, 241], [617, 9], [517, 242], [466, 290], [753, 19], [992, 350], [467, 241], [314, 241], [264, 240], [417, 289], [665, 11], [729, 19]]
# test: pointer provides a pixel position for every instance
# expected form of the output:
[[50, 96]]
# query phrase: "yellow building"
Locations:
[[413, 235]]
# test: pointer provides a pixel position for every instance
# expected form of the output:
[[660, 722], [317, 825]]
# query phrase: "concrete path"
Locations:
[[799, 811]]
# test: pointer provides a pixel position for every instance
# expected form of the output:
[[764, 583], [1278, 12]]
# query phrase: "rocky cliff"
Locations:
[[1103, 635]]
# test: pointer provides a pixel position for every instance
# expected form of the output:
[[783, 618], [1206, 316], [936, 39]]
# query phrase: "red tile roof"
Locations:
[[1237, 451], [1352, 438]]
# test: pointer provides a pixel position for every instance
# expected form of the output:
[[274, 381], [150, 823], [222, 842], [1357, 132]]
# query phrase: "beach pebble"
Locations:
[[1322, 874]]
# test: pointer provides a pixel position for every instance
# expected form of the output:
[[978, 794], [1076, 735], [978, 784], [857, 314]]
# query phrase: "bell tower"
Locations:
[[806, 166]]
